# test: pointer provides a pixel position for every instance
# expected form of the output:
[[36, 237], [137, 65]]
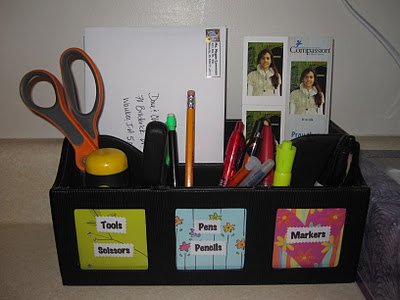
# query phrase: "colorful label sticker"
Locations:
[[213, 55], [111, 239], [210, 239], [308, 238]]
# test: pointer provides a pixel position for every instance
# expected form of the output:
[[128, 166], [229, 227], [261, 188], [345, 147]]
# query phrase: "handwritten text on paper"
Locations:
[[138, 111]]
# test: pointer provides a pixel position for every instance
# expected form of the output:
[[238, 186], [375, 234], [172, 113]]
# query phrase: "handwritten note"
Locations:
[[138, 111]]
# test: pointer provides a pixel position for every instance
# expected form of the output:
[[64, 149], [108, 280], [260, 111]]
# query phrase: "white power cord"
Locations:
[[392, 110], [388, 46]]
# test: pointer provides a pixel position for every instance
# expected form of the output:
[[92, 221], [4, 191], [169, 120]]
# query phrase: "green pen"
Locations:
[[285, 153], [173, 157], [167, 159]]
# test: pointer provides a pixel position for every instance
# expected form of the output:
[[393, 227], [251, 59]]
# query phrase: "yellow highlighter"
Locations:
[[285, 154], [107, 167]]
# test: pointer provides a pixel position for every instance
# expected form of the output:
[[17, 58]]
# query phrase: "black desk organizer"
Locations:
[[67, 194]]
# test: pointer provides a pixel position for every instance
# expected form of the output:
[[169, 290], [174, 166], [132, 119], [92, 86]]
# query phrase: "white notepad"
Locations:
[[147, 72]]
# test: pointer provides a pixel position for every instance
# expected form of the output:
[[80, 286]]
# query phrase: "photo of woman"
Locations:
[[308, 98], [274, 117], [264, 78]]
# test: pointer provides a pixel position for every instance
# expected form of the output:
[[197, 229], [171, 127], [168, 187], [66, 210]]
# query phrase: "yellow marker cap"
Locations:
[[106, 161]]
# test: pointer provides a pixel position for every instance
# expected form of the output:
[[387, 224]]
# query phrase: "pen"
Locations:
[[252, 163], [235, 147], [173, 151], [190, 122], [254, 141], [167, 159]]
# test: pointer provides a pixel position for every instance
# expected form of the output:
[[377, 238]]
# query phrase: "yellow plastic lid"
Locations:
[[106, 161]]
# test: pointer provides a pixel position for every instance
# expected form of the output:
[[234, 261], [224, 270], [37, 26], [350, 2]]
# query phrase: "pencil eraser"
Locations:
[[190, 93]]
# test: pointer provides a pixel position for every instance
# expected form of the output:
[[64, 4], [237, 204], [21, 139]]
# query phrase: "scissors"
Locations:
[[79, 128]]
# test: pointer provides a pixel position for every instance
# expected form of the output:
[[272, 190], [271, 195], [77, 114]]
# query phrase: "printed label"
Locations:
[[208, 248], [110, 224], [207, 226], [213, 59], [113, 250], [308, 234]]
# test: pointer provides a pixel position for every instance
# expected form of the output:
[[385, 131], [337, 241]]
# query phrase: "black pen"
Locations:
[[254, 142], [173, 151]]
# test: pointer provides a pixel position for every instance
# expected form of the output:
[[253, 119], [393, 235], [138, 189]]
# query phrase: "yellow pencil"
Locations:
[[189, 138]]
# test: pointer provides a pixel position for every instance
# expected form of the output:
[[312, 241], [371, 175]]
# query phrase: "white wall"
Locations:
[[366, 81]]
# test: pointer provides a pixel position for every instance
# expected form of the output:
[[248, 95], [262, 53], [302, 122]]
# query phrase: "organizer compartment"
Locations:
[[259, 207]]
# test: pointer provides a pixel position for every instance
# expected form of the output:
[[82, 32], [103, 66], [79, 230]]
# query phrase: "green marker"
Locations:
[[285, 154]]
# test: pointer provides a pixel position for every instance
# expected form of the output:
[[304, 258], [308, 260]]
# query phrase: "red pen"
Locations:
[[267, 149], [235, 147]]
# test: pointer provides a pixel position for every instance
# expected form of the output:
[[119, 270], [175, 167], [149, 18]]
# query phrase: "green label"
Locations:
[[111, 239]]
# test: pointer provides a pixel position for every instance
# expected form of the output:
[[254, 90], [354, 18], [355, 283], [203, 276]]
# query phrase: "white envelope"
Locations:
[[147, 73]]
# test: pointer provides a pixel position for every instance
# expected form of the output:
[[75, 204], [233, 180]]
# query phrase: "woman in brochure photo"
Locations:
[[266, 80], [308, 99]]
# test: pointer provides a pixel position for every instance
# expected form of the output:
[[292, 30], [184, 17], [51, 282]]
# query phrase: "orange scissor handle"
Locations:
[[88, 121], [80, 129]]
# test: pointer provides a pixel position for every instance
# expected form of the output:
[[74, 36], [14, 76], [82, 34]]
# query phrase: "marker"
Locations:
[[258, 174], [252, 163], [190, 122], [173, 151], [235, 147], [285, 154]]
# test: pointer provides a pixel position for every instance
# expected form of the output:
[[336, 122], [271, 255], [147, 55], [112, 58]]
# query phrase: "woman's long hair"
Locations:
[[275, 77], [318, 96]]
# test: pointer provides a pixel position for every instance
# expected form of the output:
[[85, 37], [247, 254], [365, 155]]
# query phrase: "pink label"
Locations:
[[308, 238]]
